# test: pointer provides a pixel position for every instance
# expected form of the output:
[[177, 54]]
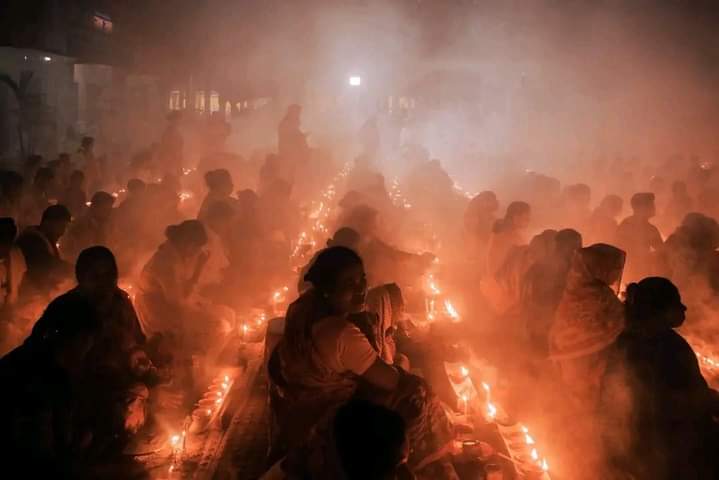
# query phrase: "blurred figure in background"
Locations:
[[639, 237], [74, 196], [680, 204], [479, 218], [37, 199], [170, 154], [93, 228], [219, 189], [603, 222], [39, 245], [292, 147], [543, 286], [507, 233]]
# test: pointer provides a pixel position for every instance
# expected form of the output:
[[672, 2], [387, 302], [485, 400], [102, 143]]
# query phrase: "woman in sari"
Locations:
[[167, 281], [589, 318], [324, 359]]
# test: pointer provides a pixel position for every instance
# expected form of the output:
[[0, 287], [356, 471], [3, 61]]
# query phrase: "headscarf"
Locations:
[[590, 315], [379, 302]]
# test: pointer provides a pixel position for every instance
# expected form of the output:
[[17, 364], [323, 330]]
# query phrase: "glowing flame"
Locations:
[[433, 288], [491, 411], [464, 371], [528, 438], [185, 195], [545, 465], [175, 440], [534, 454], [227, 378], [451, 311]]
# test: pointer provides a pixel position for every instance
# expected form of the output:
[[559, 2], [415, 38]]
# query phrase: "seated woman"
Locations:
[[387, 304], [164, 301], [324, 359], [588, 319], [658, 406]]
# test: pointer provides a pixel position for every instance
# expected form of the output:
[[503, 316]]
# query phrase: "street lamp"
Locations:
[[355, 81]]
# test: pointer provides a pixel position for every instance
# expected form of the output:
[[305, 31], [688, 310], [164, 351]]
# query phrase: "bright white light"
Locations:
[[47, 59], [355, 81]]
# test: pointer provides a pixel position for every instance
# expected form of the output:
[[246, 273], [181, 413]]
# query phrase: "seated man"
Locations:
[[93, 228], [39, 245]]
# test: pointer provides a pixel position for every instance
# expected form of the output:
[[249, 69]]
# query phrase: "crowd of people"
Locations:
[[116, 280]]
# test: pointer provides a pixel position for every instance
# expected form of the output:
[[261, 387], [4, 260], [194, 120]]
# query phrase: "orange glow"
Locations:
[[451, 311]]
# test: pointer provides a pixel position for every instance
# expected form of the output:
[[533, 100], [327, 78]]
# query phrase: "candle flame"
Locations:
[[485, 386], [534, 454], [464, 371], [491, 411], [174, 440], [528, 438], [545, 465], [451, 311]]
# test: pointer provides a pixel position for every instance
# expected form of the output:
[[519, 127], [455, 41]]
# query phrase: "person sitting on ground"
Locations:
[[507, 233], [324, 359], [37, 199], [384, 262], [45, 268], [576, 206], [680, 204], [93, 228], [639, 237], [344, 237], [219, 189], [42, 436], [119, 331], [603, 223], [658, 406], [168, 280], [362, 441], [12, 271], [74, 197], [543, 285], [117, 366], [588, 319], [219, 222], [387, 305], [479, 217]]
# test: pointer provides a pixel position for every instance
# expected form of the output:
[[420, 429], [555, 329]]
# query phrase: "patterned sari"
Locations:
[[308, 386]]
